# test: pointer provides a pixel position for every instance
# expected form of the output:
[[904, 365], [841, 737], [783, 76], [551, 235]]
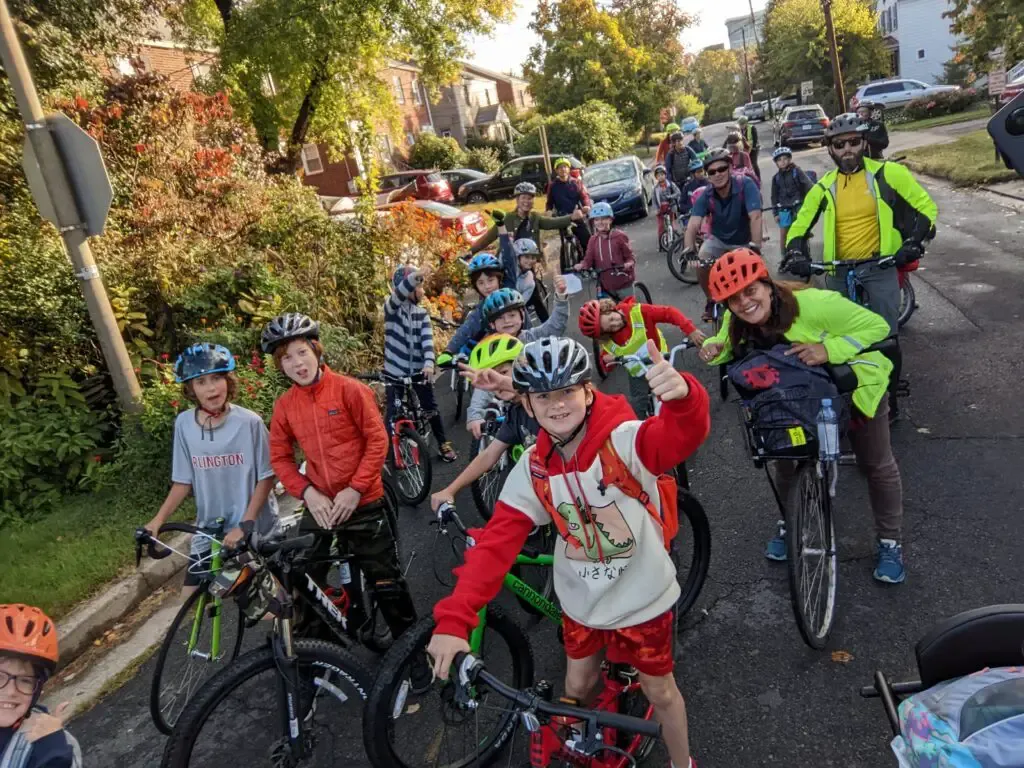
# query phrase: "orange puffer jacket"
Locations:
[[338, 426]]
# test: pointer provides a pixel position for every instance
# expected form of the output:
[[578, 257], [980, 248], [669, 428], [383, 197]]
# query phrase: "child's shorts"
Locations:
[[785, 218], [647, 646]]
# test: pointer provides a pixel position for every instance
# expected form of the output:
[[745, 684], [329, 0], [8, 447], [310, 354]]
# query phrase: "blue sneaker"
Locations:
[[776, 548], [890, 562]]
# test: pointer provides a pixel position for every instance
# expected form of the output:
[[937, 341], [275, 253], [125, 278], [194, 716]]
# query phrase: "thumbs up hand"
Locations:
[[665, 381]]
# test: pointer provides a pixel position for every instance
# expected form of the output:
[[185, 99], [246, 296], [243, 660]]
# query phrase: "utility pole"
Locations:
[[746, 66], [69, 219], [830, 35]]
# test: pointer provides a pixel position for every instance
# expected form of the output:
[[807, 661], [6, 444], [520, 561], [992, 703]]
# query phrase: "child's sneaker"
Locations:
[[448, 452], [776, 547], [890, 568]]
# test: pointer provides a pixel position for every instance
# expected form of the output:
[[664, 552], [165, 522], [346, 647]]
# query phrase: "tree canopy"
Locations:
[[714, 74], [627, 55], [795, 42], [986, 26]]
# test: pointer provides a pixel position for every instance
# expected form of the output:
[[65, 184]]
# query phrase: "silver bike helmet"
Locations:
[[292, 325], [550, 364]]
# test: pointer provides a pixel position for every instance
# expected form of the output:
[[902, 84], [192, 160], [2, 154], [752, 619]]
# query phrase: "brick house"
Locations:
[[181, 64], [511, 89], [337, 178]]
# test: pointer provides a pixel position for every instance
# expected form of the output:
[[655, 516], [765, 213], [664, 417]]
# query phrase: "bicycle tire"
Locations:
[[692, 512], [540, 578], [798, 506], [599, 366], [683, 269], [487, 487], [642, 293], [391, 503], [165, 722], [412, 488], [387, 693], [460, 391], [181, 744], [665, 240], [908, 302]]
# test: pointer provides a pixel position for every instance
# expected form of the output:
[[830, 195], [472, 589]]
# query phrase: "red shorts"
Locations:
[[647, 646]]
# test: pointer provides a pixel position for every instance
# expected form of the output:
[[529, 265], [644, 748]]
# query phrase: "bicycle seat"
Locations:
[[992, 636]]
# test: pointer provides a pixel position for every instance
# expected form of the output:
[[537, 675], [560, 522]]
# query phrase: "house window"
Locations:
[[311, 162], [199, 69], [417, 97], [920, 53], [895, 19], [399, 91], [446, 133]]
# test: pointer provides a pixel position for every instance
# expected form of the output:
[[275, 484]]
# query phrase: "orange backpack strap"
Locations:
[[542, 488], [615, 472]]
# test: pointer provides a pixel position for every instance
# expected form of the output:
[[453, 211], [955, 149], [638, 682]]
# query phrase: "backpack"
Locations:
[[973, 721], [614, 472]]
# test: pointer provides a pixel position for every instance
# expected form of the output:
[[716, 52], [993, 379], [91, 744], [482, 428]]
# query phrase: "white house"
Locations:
[[919, 37]]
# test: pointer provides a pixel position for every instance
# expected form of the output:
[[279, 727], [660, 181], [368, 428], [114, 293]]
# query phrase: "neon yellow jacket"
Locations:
[[905, 209], [845, 328]]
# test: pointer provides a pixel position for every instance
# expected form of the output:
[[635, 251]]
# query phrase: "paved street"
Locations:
[[756, 695]]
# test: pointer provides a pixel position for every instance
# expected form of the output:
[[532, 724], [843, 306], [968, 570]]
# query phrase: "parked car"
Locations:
[[503, 183], [469, 225], [755, 110], [779, 103], [800, 126], [896, 92], [1013, 87], [625, 183], [737, 113], [418, 184], [456, 177]]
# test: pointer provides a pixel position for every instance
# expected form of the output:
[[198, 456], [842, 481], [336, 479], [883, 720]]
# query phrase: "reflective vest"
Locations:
[[636, 342]]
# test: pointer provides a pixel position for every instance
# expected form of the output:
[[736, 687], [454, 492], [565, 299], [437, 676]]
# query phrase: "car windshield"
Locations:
[[433, 177], [439, 209], [804, 114], [609, 174]]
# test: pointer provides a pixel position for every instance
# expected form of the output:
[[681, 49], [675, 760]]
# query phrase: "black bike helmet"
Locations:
[[292, 325], [845, 123], [718, 155], [676, 136], [550, 364], [500, 302]]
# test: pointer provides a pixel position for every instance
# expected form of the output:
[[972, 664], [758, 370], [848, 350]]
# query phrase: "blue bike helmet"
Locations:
[[780, 151], [401, 273], [202, 359], [500, 302], [601, 210], [483, 262], [696, 164]]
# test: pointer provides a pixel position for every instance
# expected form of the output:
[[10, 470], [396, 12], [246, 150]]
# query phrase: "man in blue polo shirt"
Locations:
[[734, 204]]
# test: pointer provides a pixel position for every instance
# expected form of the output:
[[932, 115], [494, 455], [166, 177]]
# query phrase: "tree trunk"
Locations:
[[225, 7], [300, 129]]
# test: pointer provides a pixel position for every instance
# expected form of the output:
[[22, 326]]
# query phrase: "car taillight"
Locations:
[[788, 124], [824, 122]]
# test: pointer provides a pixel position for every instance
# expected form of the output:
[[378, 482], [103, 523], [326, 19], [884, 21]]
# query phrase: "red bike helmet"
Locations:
[[590, 319], [735, 271]]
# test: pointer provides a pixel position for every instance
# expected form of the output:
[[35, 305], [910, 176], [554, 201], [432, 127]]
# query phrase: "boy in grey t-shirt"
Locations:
[[221, 454]]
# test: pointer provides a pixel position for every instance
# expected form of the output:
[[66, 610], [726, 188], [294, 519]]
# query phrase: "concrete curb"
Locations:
[[95, 616]]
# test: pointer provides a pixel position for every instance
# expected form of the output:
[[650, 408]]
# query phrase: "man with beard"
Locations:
[[872, 208]]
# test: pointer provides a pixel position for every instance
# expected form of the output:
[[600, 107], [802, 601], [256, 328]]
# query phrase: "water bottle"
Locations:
[[339, 575], [828, 432]]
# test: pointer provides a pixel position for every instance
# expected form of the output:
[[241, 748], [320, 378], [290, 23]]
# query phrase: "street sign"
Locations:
[[806, 90], [86, 174], [996, 81]]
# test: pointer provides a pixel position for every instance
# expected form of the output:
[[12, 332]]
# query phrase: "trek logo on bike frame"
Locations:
[[326, 602]]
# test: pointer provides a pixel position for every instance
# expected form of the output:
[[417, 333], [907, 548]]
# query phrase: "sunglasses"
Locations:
[[718, 170], [854, 143], [25, 684]]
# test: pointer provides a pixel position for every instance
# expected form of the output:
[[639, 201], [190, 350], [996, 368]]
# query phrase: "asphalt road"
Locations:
[[756, 695]]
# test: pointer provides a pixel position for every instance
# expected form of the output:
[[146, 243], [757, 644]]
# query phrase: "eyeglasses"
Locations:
[[26, 684], [854, 143], [718, 170]]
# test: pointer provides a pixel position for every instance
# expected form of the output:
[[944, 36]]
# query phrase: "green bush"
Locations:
[[944, 103], [689, 105], [592, 132], [503, 149], [431, 151], [483, 159]]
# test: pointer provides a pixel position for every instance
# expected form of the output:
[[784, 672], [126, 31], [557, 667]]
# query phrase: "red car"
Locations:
[[469, 225], [416, 185]]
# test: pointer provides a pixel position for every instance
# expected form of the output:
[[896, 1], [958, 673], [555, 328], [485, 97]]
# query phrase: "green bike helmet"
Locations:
[[562, 161], [495, 350], [671, 127]]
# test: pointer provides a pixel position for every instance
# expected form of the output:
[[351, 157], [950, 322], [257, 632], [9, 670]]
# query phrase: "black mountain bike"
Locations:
[[291, 703], [487, 487], [409, 454]]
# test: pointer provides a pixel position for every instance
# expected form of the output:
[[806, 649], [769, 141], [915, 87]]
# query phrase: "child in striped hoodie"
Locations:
[[409, 348]]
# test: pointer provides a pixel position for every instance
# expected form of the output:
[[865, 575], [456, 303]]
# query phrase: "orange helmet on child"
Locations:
[[28, 633], [735, 271], [590, 319]]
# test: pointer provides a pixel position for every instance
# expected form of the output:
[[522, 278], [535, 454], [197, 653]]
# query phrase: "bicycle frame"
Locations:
[[520, 588], [215, 613]]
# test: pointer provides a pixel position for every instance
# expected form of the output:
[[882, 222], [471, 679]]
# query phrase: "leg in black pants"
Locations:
[[425, 394], [583, 235], [538, 306], [753, 160]]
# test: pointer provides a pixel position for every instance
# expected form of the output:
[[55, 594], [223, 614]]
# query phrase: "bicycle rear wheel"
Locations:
[[412, 480], [237, 717], [812, 562], [404, 730], [681, 267], [487, 487], [691, 551], [180, 673], [908, 302], [642, 293]]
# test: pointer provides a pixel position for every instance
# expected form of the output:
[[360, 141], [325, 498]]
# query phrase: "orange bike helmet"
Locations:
[[28, 632], [735, 271], [590, 319]]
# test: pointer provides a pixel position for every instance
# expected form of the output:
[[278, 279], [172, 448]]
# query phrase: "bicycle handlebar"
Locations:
[[642, 359], [155, 549], [471, 670], [820, 267], [419, 378]]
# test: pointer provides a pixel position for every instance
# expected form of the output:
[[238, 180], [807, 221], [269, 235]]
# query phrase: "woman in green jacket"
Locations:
[[821, 327]]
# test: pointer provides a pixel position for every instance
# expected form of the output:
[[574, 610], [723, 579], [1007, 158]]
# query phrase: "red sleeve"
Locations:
[[677, 431], [584, 195], [659, 313], [588, 258], [480, 576], [365, 413], [282, 453]]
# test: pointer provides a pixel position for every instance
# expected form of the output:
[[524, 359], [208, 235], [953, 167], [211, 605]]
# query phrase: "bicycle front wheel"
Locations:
[[908, 302], [642, 293], [188, 658], [691, 551], [405, 730], [487, 487], [682, 268], [238, 715], [813, 562], [412, 478]]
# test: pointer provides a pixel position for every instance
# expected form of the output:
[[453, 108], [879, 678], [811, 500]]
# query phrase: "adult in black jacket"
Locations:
[[678, 159], [876, 135]]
